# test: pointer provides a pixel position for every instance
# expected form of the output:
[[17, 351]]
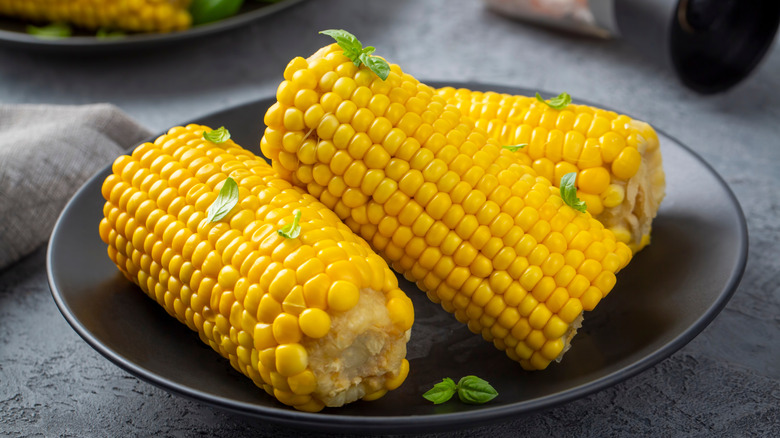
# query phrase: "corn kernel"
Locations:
[[627, 163], [342, 296], [291, 359], [302, 383]]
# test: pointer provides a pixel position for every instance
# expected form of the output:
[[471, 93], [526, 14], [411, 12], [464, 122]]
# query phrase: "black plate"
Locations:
[[663, 299], [13, 33]]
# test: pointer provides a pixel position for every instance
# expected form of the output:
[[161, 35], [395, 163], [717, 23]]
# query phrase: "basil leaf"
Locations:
[[473, 390], [441, 392], [220, 135], [354, 50], [293, 230], [352, 47], [569, 192], [52, 31], [207, 11], [559, 102], [516, 147], [226, 200], [377, 65]]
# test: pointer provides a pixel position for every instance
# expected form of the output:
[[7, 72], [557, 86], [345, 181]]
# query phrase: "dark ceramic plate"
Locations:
[[13, 33], [663, 299]]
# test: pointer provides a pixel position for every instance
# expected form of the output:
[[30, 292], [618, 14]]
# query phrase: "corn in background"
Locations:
[[129, 15]]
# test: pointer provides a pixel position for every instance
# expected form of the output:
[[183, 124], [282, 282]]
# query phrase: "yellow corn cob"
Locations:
[[130, 15], [316, 320], [478, 231], [618, 160]]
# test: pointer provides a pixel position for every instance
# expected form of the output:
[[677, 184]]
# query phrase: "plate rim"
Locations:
[[418, 423], [89, 43]]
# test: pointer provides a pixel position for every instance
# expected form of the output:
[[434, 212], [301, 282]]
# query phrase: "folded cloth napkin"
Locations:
[[46, 154]]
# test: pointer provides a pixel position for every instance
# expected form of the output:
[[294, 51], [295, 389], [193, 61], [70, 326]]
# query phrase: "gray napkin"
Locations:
[[46, 154]]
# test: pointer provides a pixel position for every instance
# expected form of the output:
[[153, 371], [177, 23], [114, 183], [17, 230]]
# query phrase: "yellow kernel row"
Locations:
[[573, 139]]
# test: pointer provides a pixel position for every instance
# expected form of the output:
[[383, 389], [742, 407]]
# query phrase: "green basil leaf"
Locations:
[[52, 31], [343, 38], [559, 102], [293, 230], [207, 11], [516, 147], [441, 392], [352, 47], [569, 192], [473, 390], [220, 135], [377, 65], [226, 200]]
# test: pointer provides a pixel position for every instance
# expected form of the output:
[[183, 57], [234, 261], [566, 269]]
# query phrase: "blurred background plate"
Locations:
[[13, 33], [666, 296]]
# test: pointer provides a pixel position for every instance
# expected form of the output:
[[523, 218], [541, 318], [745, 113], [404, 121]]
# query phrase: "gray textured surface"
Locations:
[[726, 382]]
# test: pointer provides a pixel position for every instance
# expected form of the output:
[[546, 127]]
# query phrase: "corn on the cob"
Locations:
[[316, 320], [478, 231], [617, 159], [130, 15]]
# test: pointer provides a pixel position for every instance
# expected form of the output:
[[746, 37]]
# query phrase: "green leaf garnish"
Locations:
[[475, 391], [442, 391], [569, 192], [226, 200], [515, 148], [559, 102], [105, 33], [207, 11], [376, 65], [470, 389], [352, 47], [354, 50], [293, 230], [52, 31], [220, 135]]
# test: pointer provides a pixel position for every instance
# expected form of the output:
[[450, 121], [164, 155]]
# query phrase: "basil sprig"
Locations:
[[354, 50], [559, 102], [217, 136], [515, 148], [470, 389], [293, 230], [226, 200], [569, 192]]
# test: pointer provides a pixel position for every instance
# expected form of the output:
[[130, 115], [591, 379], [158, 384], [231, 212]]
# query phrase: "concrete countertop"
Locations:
[[726, 382]]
